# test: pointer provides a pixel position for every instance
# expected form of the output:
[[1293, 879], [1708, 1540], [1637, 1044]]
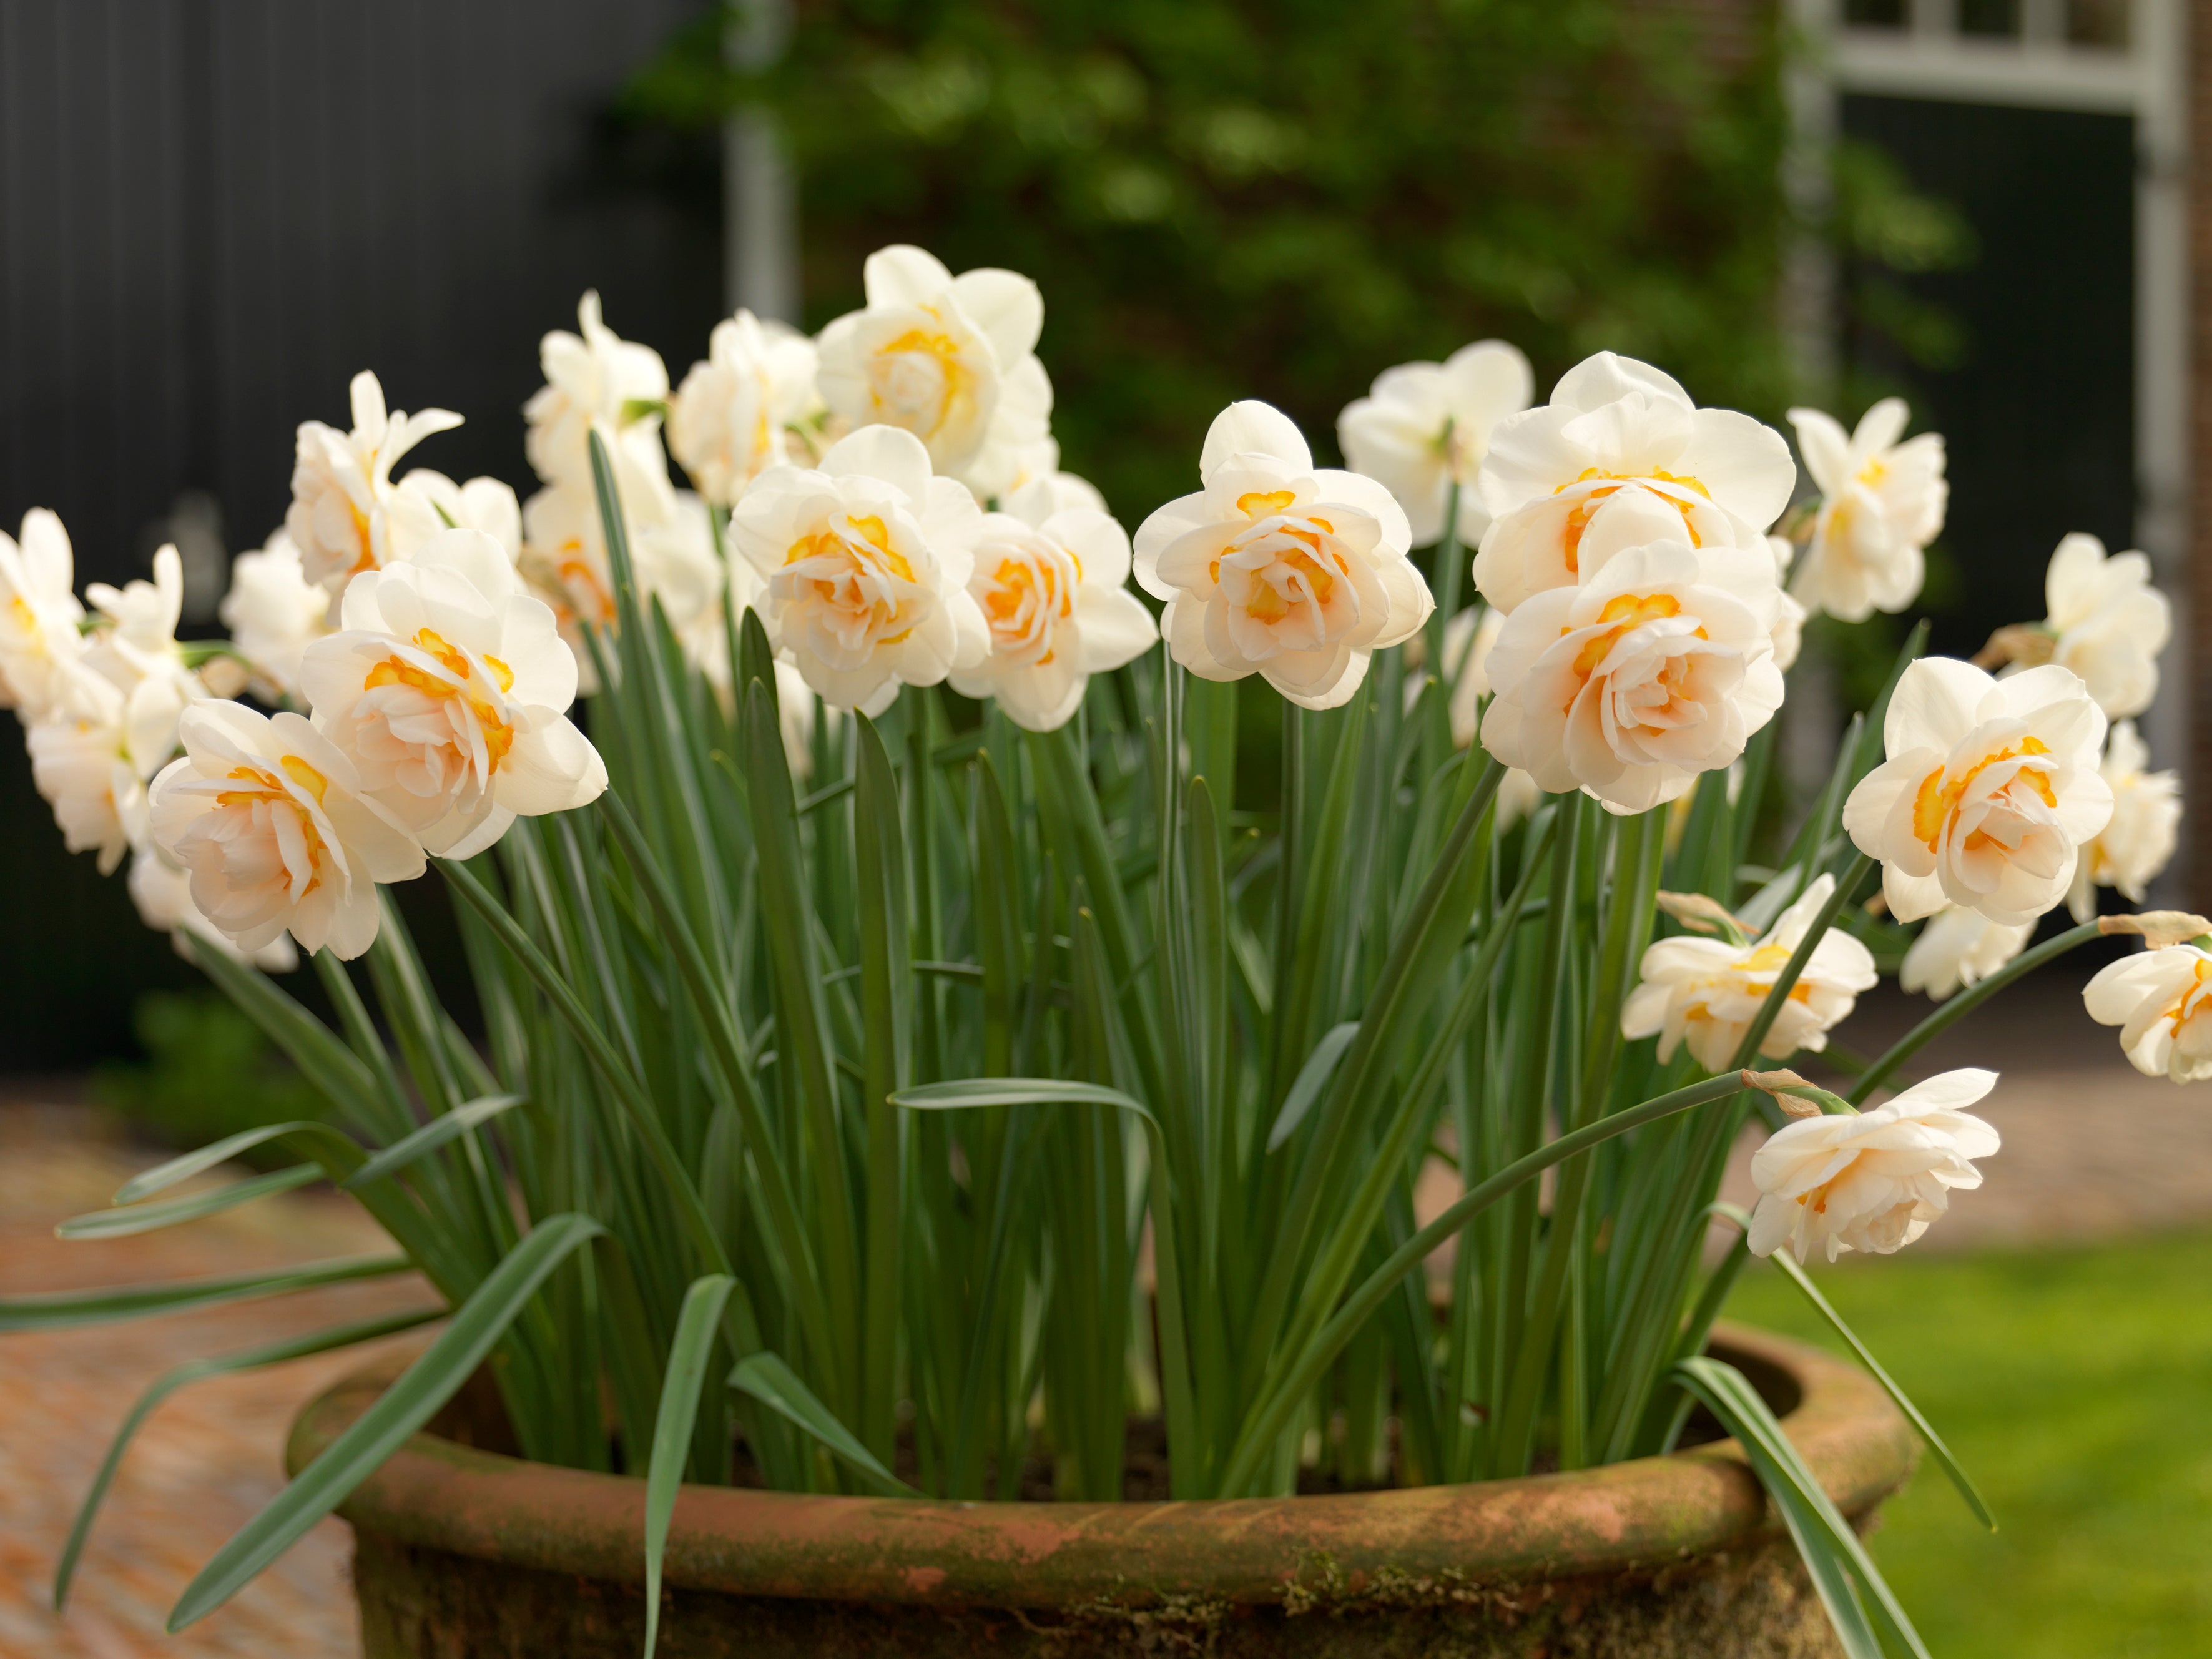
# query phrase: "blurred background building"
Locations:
[[211, 215]]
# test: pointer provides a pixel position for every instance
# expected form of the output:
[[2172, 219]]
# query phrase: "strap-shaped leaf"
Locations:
[[53, 1310], [312, 1138], [1313, 1077], [1838, 1562], [768, 1380], [431, 1136], [145, 1218], [246, 1359], [381, 1430], [1015, 1091], [672, 1435]]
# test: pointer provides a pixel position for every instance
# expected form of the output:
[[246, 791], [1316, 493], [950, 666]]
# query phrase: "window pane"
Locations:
[[1875, 13], [2097, 23], [1989, 17]]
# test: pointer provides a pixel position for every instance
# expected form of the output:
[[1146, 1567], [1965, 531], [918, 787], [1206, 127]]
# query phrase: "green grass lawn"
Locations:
[[2076, 1385]]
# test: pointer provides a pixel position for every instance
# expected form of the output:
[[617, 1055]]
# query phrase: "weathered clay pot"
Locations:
[[462, 1551]]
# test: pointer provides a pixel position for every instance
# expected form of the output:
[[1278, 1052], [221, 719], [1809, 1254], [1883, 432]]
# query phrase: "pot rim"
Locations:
[[1644, 1515]]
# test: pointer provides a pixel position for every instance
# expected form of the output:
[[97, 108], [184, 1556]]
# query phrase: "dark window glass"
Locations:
[[2000, 17], [2098, 22]]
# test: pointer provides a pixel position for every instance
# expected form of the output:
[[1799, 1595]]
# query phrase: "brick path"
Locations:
[[207, 1461]]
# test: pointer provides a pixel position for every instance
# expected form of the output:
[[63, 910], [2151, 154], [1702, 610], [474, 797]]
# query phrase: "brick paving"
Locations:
[[207, 1460]]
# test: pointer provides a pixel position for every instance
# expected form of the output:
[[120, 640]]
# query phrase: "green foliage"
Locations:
[[2071, 1379], [208, 1073], [1227, 198]]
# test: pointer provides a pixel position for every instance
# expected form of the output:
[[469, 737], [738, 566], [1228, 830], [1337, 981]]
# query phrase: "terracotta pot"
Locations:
[[462, 1552]]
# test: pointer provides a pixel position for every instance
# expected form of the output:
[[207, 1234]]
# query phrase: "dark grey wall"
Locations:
[[212, 213]]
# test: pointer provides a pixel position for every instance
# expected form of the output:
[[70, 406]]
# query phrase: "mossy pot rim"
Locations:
[[1643, 1517]]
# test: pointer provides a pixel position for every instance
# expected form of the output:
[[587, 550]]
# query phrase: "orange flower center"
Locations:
[[1939, 794], [1578, 515], [1622, 612], [264, 786], [949, 383], [498, 734]]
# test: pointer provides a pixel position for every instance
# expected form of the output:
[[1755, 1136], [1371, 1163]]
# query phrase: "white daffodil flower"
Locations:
[[1990, 790], [1048, 577], [81, 767], [162, 891], [1958, 948], [596, 379], [347, 515], [1706, 992], [447, 688], [40, 641], [273, 613], [1871, 1180], [1881, 504], [950, 359], [728, 421], [2160, 1001], [1658, 667], [266, 818], [2139, 841], [563, 561], [135, 650], [1279, 567], [485, 504], [1425, 427], [866, 561], [2108, 624], [1618, 434]]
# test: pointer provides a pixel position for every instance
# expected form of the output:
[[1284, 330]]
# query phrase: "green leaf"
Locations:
[[246, 1359], [1313, 1077], [696, 1325], [145, 1218], [1803, 1281], [1015, 1091], [768, 1380], [149, 1183], [56, 1310], [1831, 1548], [431, 1136], [381, 1430]]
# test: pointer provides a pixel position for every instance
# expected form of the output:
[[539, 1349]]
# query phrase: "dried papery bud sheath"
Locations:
[[2024, 643], [1792, 1093], [2159, 930], [1703, 914]]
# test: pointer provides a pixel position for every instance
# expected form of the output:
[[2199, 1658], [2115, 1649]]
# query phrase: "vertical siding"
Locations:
[[212, 213]]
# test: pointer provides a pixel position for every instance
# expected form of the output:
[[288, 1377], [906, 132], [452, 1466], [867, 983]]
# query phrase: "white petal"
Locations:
[[1006, 307], [889, 453], [902, 275], [1252, 428]]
